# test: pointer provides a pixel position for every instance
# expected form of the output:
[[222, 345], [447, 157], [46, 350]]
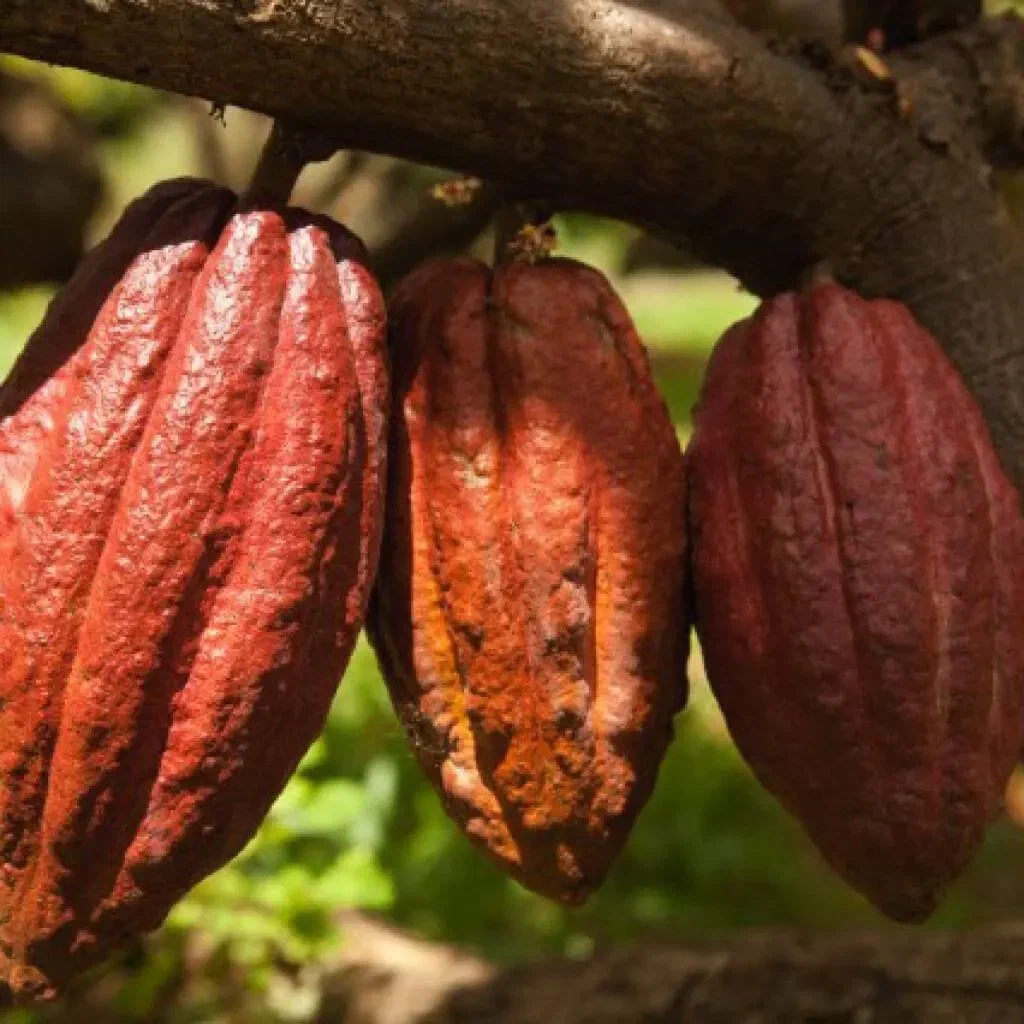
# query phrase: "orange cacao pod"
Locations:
[[529, 611], [856, 560], [191, 469]]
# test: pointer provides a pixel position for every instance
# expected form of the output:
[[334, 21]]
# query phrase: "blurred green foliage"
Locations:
[[358, 826]]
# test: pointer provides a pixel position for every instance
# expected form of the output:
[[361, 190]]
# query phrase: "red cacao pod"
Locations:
[[39, 377], [856, 560], [529, 612], [192, 461]]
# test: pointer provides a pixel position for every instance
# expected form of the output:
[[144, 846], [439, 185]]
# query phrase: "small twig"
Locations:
[[507, 225], [522, 232], [285, 154]]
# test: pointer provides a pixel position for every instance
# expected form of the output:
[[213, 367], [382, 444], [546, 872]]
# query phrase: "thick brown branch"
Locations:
[[381, 975], [907, 21], [773, 977], [962, 92], [693, 128]]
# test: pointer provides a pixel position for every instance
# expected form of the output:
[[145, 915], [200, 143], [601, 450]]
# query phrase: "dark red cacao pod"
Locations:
[[856, 560], [529, 612], [192, 461]]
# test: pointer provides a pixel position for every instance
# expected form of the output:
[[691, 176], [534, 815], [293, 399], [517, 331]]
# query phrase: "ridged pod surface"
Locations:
[[857, 556], [192, 460], [529, 612]]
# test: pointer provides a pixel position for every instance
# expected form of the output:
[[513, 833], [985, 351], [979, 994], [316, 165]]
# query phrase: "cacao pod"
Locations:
[[192, 461], [856, 564], [529, 614]]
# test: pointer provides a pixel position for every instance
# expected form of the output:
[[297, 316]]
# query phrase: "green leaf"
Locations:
[[355, 880], [20, 313], [331, 809]]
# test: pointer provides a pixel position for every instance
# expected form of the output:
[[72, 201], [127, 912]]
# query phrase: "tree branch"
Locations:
[[906, 21], [772, 976], [695, 128], [380, 974]]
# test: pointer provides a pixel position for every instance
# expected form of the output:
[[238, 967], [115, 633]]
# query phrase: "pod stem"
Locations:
[[819, 273], [288, 149], [523, 232]]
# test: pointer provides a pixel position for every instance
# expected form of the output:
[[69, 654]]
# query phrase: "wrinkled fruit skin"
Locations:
[[192, 460], [857, 558], [529, 613]]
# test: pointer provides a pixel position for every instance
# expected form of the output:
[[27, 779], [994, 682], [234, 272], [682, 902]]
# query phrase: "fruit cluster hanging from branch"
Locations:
[[193, 454]]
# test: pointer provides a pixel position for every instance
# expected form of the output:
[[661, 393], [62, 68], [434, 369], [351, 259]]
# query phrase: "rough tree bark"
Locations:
[[383, 975], [768, 977], [907, 21], [768, 161]]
